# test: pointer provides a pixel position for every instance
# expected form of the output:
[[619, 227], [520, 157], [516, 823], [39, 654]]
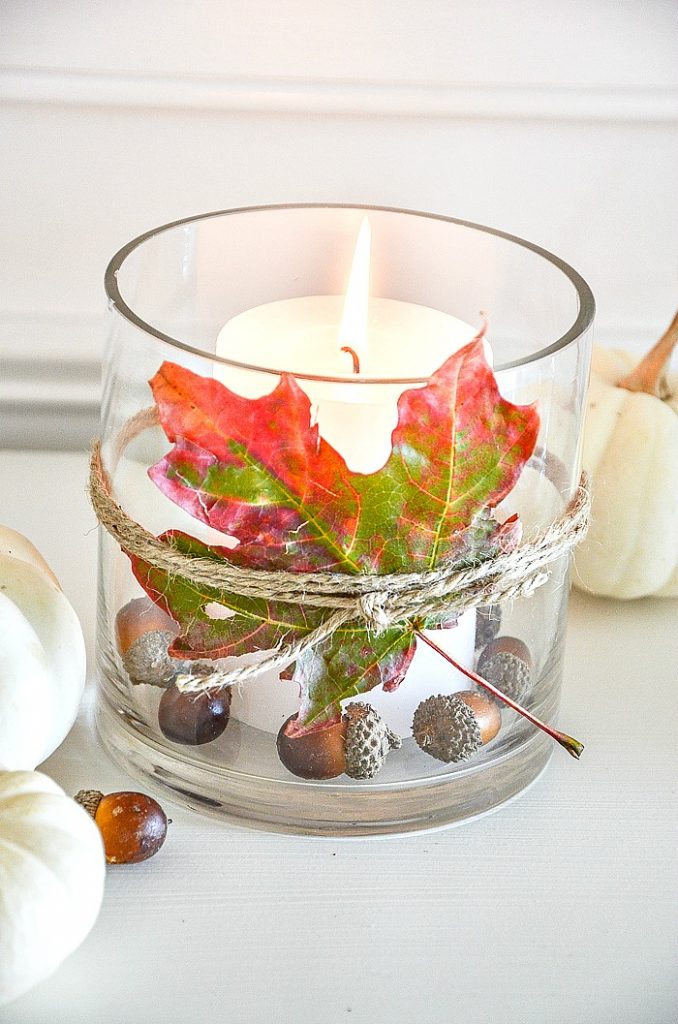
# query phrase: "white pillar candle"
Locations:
[[393, 340], [300, 336]]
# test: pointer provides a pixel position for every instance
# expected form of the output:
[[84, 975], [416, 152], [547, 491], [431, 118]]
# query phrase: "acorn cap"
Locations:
[[506, 662], [89, 799], [368, 741], [446, 728], [486, 710], [146, 659]]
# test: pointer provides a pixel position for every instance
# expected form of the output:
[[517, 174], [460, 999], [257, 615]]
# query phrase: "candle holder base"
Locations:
[[449, 795]]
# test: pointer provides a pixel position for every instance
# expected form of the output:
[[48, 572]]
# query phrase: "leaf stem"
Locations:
[[573, 747]]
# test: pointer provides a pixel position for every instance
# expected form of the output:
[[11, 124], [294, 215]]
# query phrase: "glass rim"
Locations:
[[581, 324]]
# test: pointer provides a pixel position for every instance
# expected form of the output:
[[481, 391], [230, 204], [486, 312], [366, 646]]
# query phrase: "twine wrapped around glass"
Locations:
[[236, 669]]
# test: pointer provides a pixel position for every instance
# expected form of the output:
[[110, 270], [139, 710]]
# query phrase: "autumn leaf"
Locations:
[[258, 470], [347, 665], [216, 624]]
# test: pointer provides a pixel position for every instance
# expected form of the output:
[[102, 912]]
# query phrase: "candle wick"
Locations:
[[354, 356]]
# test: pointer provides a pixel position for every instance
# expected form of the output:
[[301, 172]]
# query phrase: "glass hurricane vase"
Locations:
[[183, 294]]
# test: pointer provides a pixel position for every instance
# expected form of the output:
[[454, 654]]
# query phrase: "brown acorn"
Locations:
[[506, 662], [315, 755], [194, 718], [133, 826], [452, 727], [144, 633]]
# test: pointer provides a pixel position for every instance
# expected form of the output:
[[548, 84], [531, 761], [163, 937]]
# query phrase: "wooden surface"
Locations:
[[559, 908]]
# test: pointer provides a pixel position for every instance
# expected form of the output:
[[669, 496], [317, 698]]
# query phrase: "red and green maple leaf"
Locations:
[[258, 470]]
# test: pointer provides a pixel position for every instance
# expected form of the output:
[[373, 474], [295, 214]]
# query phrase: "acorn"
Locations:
[[144, 633], [314, 755], [452, 727], [194, 718], [506, 662], [133, 826], [488, 624], [368, 741]]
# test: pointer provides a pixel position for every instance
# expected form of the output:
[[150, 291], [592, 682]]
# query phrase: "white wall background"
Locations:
[[557, 121]]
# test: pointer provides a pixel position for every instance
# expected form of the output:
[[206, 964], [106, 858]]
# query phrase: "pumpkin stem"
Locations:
[[650, 373]]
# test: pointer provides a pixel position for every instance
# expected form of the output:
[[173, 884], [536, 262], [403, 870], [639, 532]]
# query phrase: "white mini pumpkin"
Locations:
[[52, 870], [42, 656], [631, 455]]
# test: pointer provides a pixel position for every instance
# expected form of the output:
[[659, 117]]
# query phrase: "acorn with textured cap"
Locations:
[[368, 741], [506, 662], [452, 727], [144, 633]]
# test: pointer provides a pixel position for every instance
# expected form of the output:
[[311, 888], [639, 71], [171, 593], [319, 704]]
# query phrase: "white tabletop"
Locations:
[[559, 908]]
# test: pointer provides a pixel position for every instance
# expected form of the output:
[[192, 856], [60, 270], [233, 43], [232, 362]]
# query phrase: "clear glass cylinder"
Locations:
[[184, 294]]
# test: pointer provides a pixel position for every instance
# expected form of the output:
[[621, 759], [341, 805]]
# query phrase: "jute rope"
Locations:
[[373, 601]]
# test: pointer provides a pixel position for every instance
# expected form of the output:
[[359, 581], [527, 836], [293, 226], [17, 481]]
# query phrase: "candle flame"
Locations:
[[353, 327]]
